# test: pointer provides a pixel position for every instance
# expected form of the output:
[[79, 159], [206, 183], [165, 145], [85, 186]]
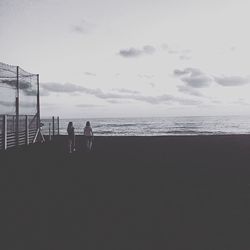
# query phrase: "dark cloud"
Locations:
[[13, 83], [231, 81], [133, 52], [200, 81], [71, 88], [193, 77], [26, 87]]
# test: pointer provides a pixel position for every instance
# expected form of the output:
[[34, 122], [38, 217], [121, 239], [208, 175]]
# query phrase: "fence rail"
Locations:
[[23, 134]]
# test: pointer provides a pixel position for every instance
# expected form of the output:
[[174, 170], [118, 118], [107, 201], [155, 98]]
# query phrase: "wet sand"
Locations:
[[182, 192]]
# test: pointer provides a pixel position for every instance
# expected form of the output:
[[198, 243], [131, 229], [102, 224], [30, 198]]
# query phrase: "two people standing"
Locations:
[[88, 136]]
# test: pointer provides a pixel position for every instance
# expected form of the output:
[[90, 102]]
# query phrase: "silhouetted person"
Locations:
[[88, 133], [71, 137]]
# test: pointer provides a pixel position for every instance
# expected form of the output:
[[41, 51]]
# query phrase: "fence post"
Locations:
[[58, 126], [13, 123], [38, 103], [17, 106], [50, 131], [27, 130], [53, 126], [5, 133]]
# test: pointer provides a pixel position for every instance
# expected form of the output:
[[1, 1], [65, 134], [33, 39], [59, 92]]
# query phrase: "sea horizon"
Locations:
[[158, 126]]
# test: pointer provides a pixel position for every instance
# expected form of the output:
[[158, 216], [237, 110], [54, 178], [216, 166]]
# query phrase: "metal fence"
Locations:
[[11, 137], [50, 126], [19, 106], [27, 132], [20, 122]]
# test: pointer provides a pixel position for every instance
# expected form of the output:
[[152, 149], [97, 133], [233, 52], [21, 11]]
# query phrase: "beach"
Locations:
[[166, 192]]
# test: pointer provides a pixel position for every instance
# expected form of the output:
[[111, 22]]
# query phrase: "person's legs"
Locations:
[[74, 143], [70, 146], [87, 143], [90, 143]]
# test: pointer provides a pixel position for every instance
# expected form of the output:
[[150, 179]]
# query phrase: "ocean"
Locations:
[[158, 126]]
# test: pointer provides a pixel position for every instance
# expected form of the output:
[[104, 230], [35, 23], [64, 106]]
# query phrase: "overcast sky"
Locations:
[[114, 58]]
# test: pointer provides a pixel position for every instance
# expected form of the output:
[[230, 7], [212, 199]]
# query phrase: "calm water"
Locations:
[[160, 126]]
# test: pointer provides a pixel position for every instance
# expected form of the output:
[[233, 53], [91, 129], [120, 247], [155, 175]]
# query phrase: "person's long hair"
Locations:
[[70, 125], [87, 124]]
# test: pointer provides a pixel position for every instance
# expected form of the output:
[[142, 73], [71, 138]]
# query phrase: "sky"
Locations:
[[132, 58]]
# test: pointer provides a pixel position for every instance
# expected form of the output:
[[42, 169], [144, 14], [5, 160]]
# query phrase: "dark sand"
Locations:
[[129, 193]]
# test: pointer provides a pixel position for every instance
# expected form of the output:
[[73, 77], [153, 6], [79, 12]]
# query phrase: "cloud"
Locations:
[[89, 74], [71, 88], [241, 101], [115, 101], [126, 91], [13, 83], [133, 52], [193, 77], [231, 81], [7, 104], [12, 104], [26, 87], [84, 27], [189, 90], [88, 106], [62, 87], [184, 54], [164, 46], [200, 81], [162, 99]]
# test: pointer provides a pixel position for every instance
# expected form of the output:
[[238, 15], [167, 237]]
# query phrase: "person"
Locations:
[[71, 137], [88, 133]]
